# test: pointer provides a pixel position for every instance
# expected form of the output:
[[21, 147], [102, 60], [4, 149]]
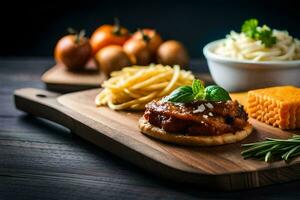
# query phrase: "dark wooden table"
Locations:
[[42, 160]]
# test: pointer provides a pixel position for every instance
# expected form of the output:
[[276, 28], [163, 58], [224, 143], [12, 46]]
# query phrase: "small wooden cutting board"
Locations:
[[220, 167], [61, 80]]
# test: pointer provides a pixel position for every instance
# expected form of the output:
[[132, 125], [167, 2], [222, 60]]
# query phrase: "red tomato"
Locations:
[[172, 53], [73, 51], [112, 58], [152, 38], [108, 35], [138, 51]]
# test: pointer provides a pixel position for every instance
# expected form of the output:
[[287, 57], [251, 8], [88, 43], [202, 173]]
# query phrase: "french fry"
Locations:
[[133, 87]]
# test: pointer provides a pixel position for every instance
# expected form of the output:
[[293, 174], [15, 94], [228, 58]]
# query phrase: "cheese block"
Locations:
[[277, 106]]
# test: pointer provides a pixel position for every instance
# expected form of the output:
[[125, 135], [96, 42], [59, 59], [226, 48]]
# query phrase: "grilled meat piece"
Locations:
[[197, 118]]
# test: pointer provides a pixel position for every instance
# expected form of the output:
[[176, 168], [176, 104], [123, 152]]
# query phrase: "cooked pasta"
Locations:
[[133, 87], [239, 46]]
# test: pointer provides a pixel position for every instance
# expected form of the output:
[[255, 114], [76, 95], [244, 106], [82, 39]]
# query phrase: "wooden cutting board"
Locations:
[[61, 80], [219, 167]]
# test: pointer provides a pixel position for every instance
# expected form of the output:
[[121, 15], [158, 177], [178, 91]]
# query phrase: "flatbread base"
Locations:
[[160, 134]]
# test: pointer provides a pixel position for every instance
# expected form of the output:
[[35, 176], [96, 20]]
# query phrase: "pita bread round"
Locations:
[[161, 134]]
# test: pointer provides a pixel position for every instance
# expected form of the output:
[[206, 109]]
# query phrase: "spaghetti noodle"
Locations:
[[239, 46]]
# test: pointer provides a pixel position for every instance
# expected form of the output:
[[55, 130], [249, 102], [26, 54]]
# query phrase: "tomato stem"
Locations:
[[71, 30], [78, 35], [145, 37], [117, 27]]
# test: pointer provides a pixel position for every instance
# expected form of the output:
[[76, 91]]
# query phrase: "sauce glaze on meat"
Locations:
[[197, 118]]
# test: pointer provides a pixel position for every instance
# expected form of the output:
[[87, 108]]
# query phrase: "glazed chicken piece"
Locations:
[[197, 118]]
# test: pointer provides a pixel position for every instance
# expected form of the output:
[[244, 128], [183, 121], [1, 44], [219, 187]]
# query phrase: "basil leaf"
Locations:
[[216, 93], [196, 86], [184, 98], [198, 89], [182, 94]]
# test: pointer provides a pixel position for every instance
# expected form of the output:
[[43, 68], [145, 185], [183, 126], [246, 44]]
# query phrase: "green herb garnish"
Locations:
[[264, 33], [197, 91], [182, 94], [266, 37], [273, 149], [250, 27], [216, 93]]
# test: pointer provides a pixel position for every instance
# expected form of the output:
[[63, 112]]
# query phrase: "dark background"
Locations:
[[31, 29]]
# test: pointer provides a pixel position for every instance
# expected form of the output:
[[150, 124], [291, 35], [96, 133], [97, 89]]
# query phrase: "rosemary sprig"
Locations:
[[273, 149]]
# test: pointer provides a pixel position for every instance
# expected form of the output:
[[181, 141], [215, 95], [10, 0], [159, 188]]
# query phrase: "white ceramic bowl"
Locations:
[[239, 75]]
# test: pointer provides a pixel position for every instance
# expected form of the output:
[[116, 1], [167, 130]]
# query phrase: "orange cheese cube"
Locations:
[[277, 106]]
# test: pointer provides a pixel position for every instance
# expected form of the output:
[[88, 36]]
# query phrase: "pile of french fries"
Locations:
[[133, 87]]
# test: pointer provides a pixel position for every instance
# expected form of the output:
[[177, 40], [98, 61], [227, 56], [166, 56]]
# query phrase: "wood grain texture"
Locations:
[[59, 79], [215, 167]]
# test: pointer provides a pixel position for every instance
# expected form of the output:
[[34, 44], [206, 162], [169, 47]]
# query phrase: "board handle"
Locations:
[[42, 103]]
